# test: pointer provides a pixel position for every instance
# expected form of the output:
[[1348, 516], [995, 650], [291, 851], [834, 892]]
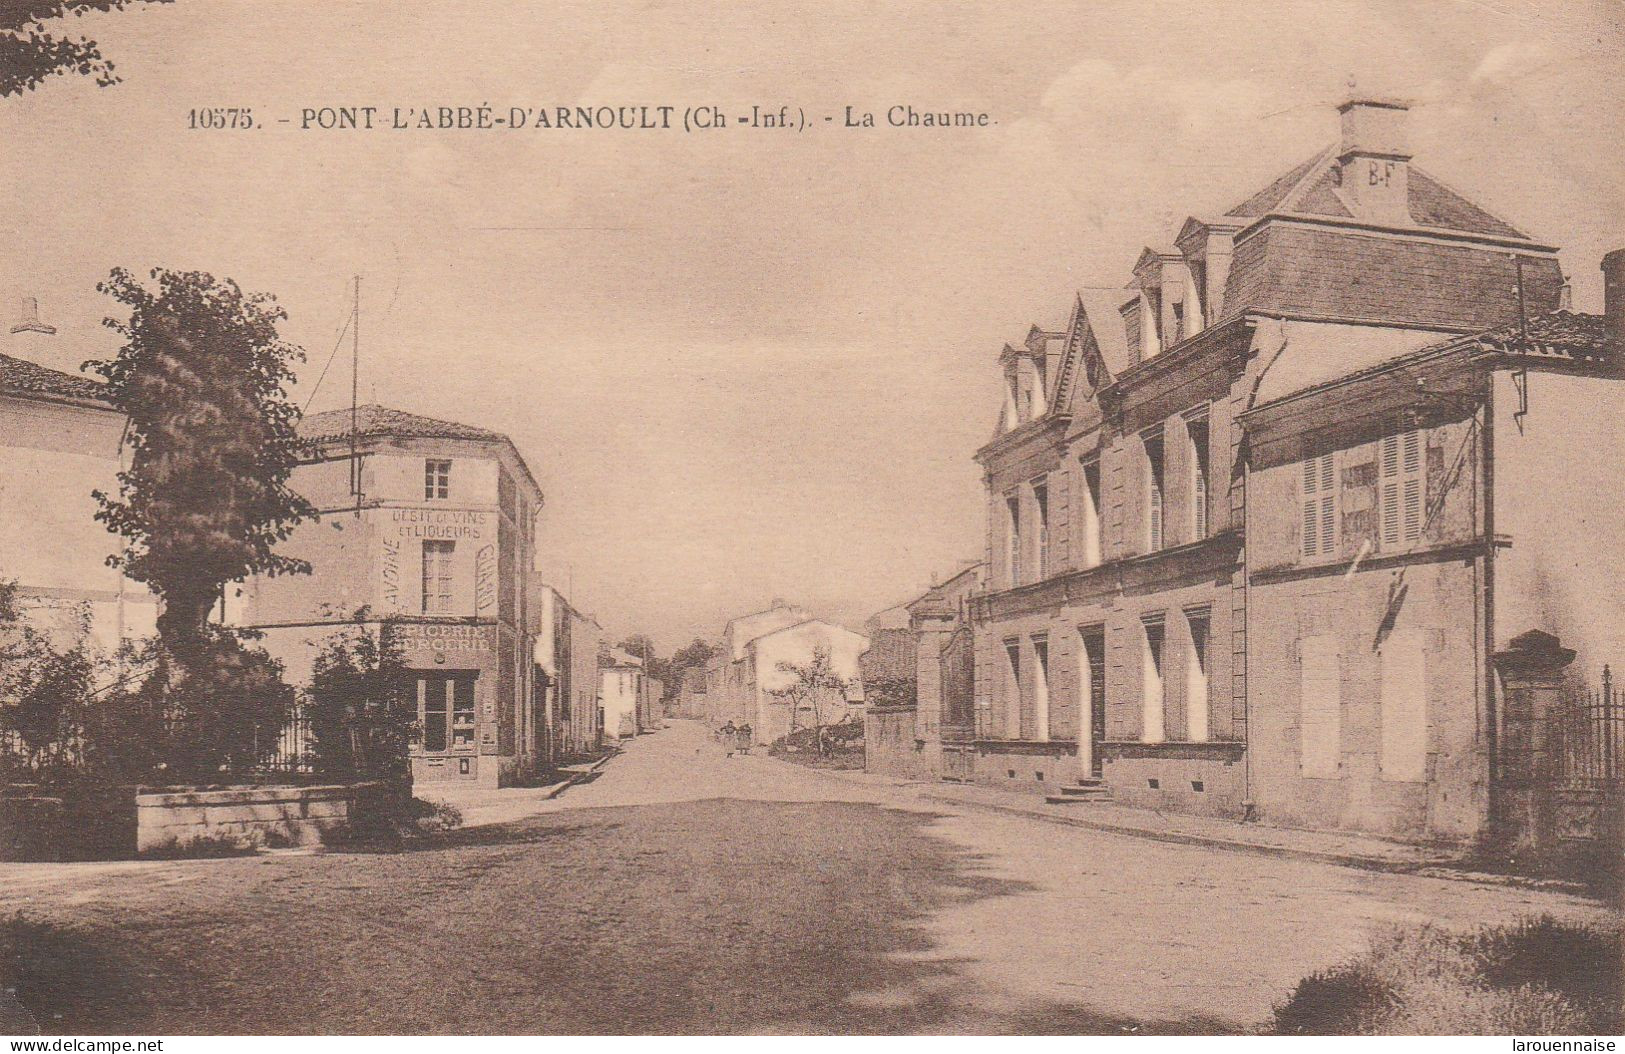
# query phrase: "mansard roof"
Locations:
[[1311, 190]]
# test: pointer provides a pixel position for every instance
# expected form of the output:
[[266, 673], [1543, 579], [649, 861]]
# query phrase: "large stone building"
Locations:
[[427, 525], [1257, 524], [61, 440]]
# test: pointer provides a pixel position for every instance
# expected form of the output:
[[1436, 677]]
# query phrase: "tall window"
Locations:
[[1399, 464], [1041, 688], [436, 478], [1012, 510], [437, 577], [1091, 512], [1154, 489], [1196, 427], [1320, 707], [1196, 675], [1151, 697], [1012, 698], [1041, 504], [1318, 504]]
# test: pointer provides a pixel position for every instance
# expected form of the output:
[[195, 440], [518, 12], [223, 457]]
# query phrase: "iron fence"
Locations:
[[1588, 742]]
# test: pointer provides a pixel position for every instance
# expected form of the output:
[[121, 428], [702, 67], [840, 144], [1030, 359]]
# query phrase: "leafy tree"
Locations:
[[43, 687], [31, 49], [202, 378], [814, 689], [694, 655], [361, 719], [654, 666]]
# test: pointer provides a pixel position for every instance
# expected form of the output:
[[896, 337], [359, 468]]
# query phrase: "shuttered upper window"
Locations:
[[1400, 488], [1318, 506]]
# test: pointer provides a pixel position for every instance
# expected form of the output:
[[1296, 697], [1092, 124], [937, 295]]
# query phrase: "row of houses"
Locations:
[[426, 526], [1265, 524]]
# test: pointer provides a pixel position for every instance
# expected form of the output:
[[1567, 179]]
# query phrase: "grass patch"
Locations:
[[1533, 977]]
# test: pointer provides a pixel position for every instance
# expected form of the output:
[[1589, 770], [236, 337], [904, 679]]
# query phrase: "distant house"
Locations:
[[566, 658], [61, 440], [744, 677], [622, 693]]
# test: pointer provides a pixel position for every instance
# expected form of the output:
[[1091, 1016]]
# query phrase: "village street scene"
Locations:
[[549, 610]]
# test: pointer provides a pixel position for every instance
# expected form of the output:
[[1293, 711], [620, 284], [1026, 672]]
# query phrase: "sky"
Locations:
[[750, 364]]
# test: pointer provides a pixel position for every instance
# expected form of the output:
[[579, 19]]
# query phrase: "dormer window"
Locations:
[[1151, 318], [1198, 297]]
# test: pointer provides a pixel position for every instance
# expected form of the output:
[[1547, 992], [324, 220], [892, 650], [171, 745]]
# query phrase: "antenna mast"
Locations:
[[355, 398]]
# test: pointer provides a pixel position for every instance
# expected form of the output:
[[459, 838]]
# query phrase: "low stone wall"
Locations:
[[120, 822], [242, 815]]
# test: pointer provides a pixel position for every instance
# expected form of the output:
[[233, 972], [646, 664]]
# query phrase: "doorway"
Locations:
[[1093, 675]]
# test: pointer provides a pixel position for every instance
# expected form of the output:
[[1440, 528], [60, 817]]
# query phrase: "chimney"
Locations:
[[28, 319], [36, 342], [1374, 160], [1613, 301]]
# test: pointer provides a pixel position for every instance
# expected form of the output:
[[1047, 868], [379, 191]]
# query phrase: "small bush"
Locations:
[[209, 846], [1534, 977], [1333, 1002]]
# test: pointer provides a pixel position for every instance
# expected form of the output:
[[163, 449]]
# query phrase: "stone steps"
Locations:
[[1086, 789]]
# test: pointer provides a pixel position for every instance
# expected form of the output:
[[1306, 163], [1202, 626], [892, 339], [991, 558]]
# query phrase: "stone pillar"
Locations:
[[1531, 670]]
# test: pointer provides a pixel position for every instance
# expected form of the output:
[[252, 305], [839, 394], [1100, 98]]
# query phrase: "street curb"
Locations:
[[1422, 869]]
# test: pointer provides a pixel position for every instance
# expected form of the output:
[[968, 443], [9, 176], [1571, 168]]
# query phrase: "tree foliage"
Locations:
[[33, 48], [43, 688], [202, 378], [362, 721], [813, 690]]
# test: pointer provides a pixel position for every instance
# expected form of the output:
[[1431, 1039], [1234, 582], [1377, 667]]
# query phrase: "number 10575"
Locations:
[[220, 117]]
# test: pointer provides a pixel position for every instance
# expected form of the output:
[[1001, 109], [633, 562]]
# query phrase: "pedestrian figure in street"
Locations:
[[727, 735], [743, 737]]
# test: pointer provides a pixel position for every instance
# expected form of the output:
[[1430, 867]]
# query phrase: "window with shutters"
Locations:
[[1198, 621], [1318, 506], [1154, 490], [1012, 689], [1090, 502], [1041, 507], [1400, 488], [1197, 428], [1012, 510], [1151, 683]]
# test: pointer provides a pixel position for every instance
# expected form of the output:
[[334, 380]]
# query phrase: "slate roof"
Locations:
[[22, 376], [1310, 190], [375, 420]]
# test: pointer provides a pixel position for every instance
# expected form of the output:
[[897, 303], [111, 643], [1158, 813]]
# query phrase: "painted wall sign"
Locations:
[[431, 636], [485, 579]]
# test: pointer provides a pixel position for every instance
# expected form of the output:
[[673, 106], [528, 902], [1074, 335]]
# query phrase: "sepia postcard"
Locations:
[[840, 518]]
